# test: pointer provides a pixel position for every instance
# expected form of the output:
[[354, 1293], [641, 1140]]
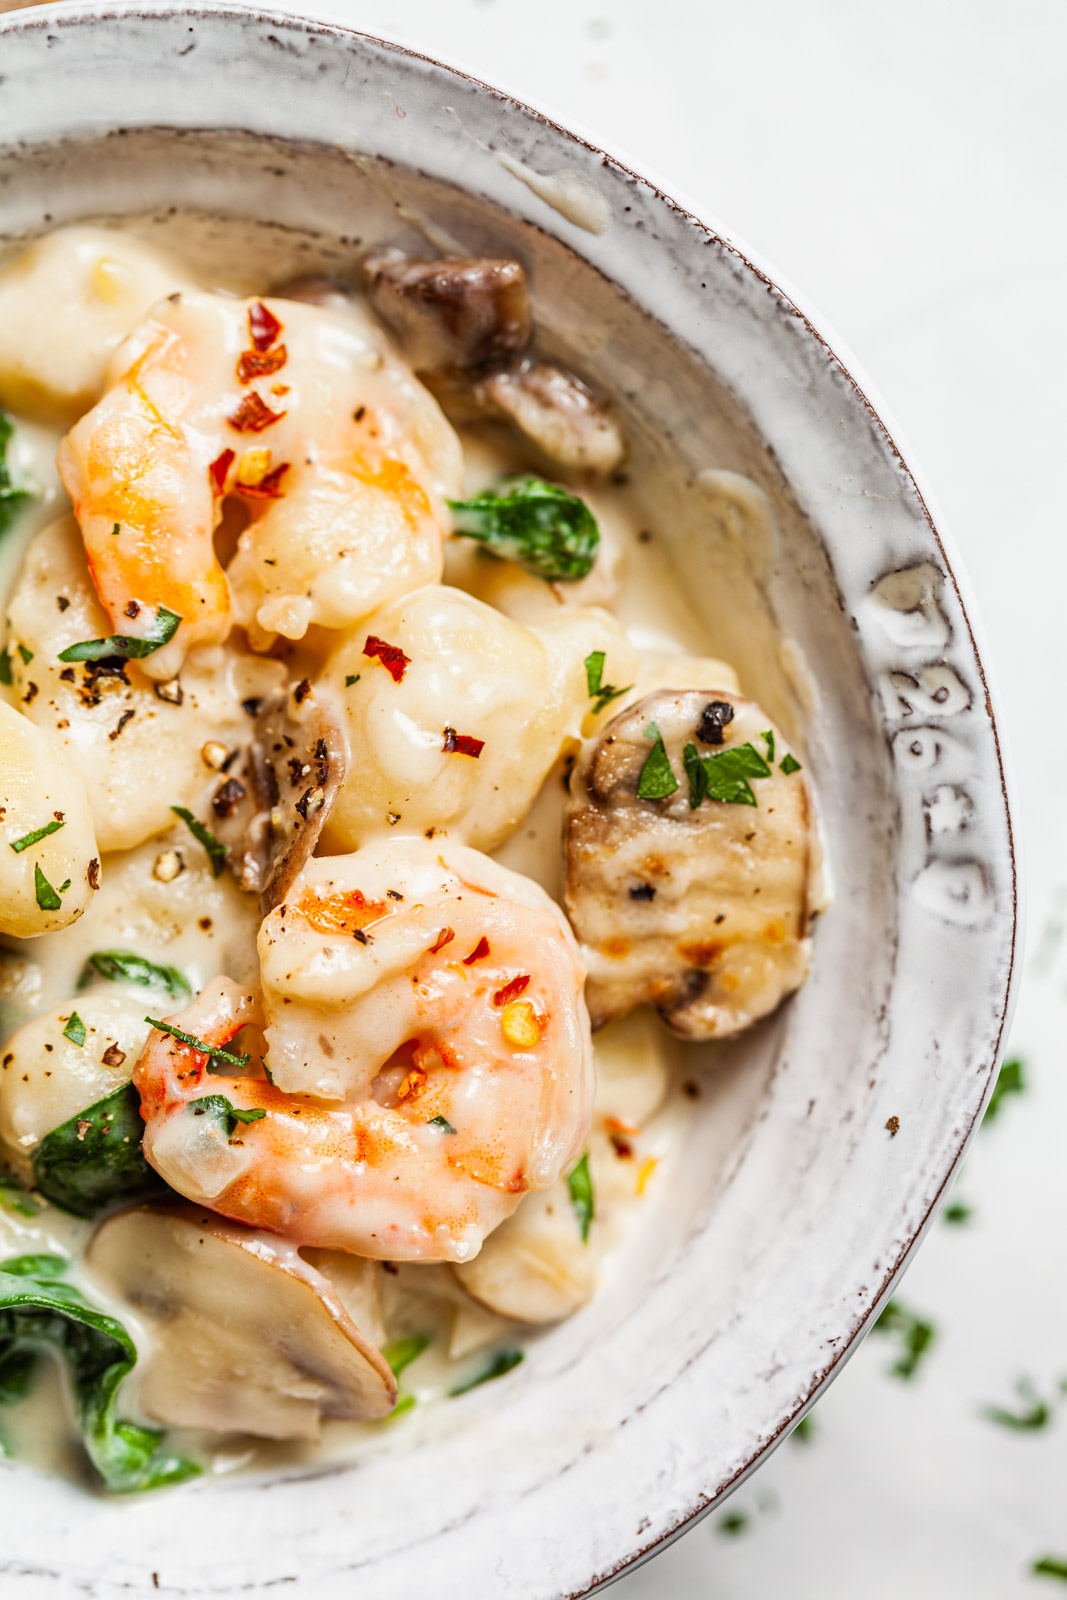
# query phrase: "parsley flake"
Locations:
[[1050, 1567], [957, 1212], [5, 668], [539, 525], [503, 1361], [1011, 1080], [580, 1186], [27, 655], [47, 897], [768, 738], [724, 776], [217, 1105], [657, 779], [213, 1051], [442, 1123], [915, 1335], [351, 678], [18, 845], [124, 966], [788, 764], [163, 627], [12, 499], [1036, 1414], [603, 693], [215, 848], [402, 1352], [75, 1029]]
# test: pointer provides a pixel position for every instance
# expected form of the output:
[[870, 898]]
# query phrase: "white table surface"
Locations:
[[904, 166]]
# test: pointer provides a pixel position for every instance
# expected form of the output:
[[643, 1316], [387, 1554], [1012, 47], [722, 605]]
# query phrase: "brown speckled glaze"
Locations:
[[792, 1208]]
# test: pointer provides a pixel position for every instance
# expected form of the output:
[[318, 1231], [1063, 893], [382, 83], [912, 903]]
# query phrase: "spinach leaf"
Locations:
[[39, 1312], [95, 1159], [12, 499], [539, 525], [161, 631], [124, 966]]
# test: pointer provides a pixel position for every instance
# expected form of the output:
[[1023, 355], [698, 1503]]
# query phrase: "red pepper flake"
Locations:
[[622, 1147], [479, 953], [512, 990], [253, 415], [253, 364], [462, 744], [263, 325], [444, 937], [391, 657], [219, 470], [269, 486]]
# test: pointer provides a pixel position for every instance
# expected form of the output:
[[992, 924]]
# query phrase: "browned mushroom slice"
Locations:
[[557, 413], [703, 910], [470, 314], [246, 1336], [270, 809]]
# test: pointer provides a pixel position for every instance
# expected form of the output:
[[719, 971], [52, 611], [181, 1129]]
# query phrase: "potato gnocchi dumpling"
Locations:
[[137, 746], [49, 859], [96, 284], [458, 713]]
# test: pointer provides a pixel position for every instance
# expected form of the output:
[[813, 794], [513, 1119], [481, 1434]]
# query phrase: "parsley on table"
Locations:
[[1050, 1567], [163, 627], [657, 779], [957, 1213], [539, 525], [732, 1523], [915, 1336], [215, 848], [1035, 1416], [1011, 1080], [580, 1187]]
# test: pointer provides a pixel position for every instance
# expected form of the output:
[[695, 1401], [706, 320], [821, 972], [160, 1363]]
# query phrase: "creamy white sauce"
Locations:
[[136, 910]]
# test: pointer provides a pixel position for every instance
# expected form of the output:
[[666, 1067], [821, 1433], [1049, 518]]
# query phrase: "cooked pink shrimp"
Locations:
[[429, 1056], [275, 402]]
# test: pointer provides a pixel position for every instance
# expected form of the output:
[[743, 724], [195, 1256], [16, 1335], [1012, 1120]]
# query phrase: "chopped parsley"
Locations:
[[1050, 1567], [957, 1213], [1035, 1415], [657, 779], [215, 848], [539, 525], [768, 738], [75, 1029], [217, 1105], [580, 1186], [213, 1051], [26, 654], [1011, 1080], [503, 1361], [5, 667], [788, 764], [123, 966], [13, 1197], [442, 1123], [12, 499], [805, 1430], [18, 845], [163, 627], [914, 1334], [402, 1352], [47, 898], [351, 678], [732, 1523], [603, 693], [724, 776]]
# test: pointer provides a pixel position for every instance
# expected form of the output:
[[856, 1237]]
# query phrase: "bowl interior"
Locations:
[[804, 554]]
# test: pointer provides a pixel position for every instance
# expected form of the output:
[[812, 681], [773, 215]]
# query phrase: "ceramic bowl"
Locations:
[[822, 1146]]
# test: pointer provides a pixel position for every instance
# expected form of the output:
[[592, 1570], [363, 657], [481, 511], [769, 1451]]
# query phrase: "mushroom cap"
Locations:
[[246, 1337], [534, 1267]]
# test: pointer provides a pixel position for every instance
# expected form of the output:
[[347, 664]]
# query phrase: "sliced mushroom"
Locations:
[[271, 808], [246, 1336], [470, 314], [534, 1267], [463, 325], [557, 413], [703, 912]]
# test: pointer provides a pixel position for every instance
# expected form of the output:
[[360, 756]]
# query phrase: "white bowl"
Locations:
[[793, 1205]]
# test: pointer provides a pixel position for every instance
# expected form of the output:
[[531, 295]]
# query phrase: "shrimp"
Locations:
[[339, 457], [428, 1060]]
